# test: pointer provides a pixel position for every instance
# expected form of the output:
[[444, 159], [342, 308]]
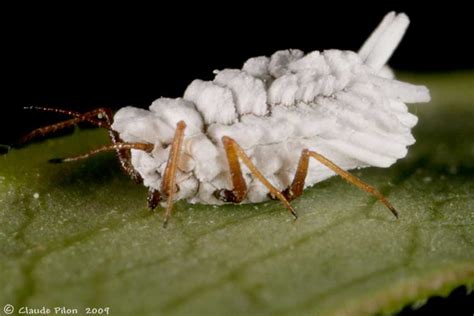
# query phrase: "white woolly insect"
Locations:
[[270, 114], [345, 105]]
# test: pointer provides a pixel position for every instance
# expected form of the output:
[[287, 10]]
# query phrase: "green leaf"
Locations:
[[79, 235]]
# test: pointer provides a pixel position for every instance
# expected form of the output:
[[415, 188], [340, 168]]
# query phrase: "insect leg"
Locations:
[[234, 151], [239, 191], [154, 197], [297, 186], [101, 117], [168, 186], [91, 117], [353, 180], [45, 130], [140, 146]]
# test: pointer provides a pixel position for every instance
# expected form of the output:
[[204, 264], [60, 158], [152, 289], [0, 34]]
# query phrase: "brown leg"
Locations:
[[353, 180], [140, 146], [101, 117], [154, 197], [233, 152], [168, 186], [239, 191], [296, 188], [50, 129]]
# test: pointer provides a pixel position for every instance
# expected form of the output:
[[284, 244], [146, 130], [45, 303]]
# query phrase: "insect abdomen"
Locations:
[[342, 104]]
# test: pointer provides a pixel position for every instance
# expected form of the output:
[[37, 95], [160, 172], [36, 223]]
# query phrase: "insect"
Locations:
[[269, 130]]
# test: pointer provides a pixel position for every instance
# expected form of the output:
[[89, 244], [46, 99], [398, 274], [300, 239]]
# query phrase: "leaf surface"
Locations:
[[79, 235]]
